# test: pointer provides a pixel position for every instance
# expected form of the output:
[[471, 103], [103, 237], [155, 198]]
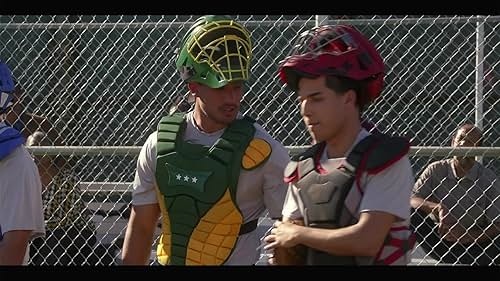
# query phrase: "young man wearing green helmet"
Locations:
[[210, 173]]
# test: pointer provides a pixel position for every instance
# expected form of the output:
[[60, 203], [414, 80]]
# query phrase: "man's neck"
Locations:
[[205, 124], [462, 167], [342, 142]]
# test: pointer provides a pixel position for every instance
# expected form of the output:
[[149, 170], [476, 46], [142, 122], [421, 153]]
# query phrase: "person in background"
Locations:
[[70, 235], [21, 213], [24, 121], [456, 206]]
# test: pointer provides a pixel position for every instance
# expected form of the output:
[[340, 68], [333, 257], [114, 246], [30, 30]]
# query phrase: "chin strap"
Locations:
[[10, 139]]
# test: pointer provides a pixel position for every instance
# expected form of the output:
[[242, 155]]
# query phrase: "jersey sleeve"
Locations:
[[274, 187], [144, 181], [21, 207], [390, 190]]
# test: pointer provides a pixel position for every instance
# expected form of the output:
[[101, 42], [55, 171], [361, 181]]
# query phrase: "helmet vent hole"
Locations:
[[364, 61]]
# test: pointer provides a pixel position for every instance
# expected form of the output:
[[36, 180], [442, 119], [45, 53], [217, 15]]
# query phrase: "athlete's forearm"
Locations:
[[139, 236], [487, 234], [13, 247], [364, 238], [425, 205]]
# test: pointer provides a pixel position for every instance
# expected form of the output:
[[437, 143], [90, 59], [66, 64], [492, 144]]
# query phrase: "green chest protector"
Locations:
[[197, 193]]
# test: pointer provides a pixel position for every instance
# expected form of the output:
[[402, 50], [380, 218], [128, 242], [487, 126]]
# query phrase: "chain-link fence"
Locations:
[[106, 81]]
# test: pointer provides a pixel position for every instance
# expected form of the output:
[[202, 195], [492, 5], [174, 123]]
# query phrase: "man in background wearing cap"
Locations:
[[348, 201], [24, 121], [210, 173], [21, 213]]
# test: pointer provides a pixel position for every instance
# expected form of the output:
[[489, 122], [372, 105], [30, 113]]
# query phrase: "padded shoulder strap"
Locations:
[[168, 129], [358, 152], [377, 152], [248, 119], [309, 153], [388, 151], [306, 159]]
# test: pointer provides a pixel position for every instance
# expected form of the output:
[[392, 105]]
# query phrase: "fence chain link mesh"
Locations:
[[105, 80]]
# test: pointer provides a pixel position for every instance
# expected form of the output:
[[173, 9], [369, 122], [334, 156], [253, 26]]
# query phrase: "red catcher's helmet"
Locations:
[[338, 50]]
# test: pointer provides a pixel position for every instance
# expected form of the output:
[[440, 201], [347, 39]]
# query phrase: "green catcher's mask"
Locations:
[[215, 51]]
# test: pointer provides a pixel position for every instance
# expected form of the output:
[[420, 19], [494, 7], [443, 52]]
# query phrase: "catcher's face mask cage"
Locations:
[[215, 52], [333, 50], [6, 87]]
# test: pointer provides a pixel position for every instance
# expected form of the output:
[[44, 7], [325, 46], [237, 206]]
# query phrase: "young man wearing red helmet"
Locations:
[[348, 201]]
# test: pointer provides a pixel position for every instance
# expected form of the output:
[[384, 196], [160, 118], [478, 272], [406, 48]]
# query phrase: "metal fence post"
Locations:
[[479, 76], [321, 19]]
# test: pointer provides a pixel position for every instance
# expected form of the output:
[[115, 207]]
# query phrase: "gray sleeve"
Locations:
[[21, 207], [493, 196], [274, 186], [291, 207], [390, 190], [144, 192], [424, 186]]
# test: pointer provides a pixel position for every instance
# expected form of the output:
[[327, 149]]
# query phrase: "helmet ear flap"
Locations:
[[374, 88], [186, 72]]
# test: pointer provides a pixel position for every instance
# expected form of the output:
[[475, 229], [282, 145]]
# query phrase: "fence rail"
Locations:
[[293, 150], [99, 84]]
